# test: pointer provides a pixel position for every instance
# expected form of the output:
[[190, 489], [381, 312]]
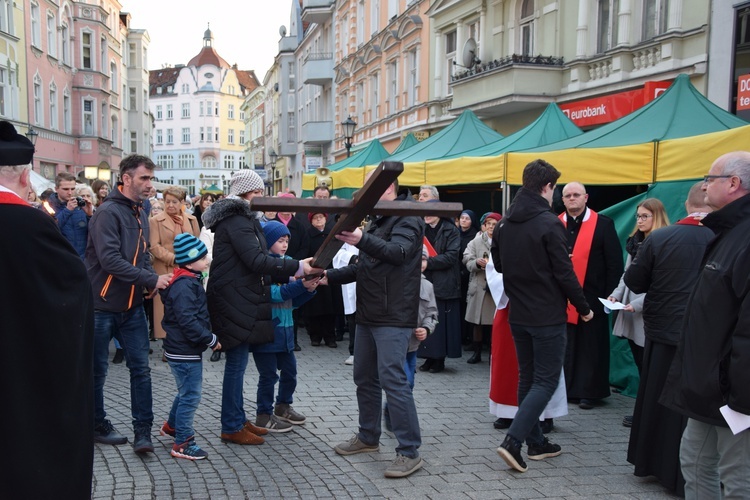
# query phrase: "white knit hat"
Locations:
[[243, 182]]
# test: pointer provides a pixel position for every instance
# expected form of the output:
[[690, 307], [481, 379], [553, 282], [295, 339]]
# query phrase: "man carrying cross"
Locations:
[[388, 280]]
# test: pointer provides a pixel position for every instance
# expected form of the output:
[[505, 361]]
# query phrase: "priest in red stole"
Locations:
[[597, 260]]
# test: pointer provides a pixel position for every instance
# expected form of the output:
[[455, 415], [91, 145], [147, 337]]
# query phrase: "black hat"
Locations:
[[15, 149]]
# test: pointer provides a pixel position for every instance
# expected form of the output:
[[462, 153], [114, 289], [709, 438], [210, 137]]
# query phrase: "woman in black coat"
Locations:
[[319, 313], [468, 228]]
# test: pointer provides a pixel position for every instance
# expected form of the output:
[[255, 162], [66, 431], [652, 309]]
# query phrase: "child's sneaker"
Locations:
[[188, 450], [286, 413], [272, 423], [167, 430]]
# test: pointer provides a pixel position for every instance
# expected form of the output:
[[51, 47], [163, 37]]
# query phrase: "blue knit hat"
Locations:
[[273, 230], [188, 249]]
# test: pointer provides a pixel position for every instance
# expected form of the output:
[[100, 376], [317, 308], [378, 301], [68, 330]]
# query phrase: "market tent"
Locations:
[[213, 189], [486, 164], [40, 184], [626, 150], [405, 143]]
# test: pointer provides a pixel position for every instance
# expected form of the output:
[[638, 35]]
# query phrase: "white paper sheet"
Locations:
[[611, 306], [737, 421]]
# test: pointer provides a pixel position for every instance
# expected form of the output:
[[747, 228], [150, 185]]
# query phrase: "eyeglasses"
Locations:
[[708, 178], [573, 195], [643, 216]]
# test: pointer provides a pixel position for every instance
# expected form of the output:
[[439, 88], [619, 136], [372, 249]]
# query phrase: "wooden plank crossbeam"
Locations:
[[366, 201]]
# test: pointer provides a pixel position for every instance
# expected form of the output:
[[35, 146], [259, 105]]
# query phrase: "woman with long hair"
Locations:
[[101, 190], [205, 201]]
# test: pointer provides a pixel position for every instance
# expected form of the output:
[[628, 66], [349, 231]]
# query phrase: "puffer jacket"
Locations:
[[73, 224], [387, 271], [443, 270], [186, 318], [529, 246], [239, 295], [117, 257]]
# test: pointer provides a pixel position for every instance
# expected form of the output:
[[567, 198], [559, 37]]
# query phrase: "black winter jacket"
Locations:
[[443, 270], [186, 318], [388, 271], [117, 257], [710, 368], [529, 246], [239, 289], [665, 269]]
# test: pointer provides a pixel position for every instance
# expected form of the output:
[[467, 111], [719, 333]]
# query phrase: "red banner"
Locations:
[[743, 92], [609, 108]]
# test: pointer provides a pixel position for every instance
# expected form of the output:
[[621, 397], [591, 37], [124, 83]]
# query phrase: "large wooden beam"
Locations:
[[344, 206]]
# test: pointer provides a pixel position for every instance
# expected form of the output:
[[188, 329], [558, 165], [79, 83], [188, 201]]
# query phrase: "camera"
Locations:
[[80, 201]]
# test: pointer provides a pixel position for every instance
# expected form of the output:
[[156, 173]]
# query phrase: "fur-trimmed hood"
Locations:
[[227, 207]]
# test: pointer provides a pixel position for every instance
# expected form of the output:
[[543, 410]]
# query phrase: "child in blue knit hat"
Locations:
[[188, 328], [275, 361]]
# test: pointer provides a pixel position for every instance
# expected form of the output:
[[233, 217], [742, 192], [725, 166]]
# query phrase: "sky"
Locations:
[[245, 32]]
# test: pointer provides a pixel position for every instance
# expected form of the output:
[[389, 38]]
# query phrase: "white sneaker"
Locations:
[[349, 360]]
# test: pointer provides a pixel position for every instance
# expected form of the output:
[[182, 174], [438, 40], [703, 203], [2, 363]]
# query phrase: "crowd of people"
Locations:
[[527, 285]]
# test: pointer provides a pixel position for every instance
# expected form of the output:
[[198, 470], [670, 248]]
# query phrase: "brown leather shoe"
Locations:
[[242, 436], [258, 431]]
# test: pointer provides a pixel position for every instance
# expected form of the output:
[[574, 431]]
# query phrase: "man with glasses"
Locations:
[[709, 377], [597, 259], [119, 267]]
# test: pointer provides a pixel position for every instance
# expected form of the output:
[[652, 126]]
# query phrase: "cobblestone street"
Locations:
[[458, 445]]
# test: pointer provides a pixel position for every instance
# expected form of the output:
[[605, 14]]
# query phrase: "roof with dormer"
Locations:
[[208, 55]]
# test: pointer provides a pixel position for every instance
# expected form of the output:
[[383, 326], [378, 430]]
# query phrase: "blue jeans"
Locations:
[[268, 364], [131, 330], [379, 353], [410, 367], [541, 352], [189, 379], [711, 455], [232, 403]]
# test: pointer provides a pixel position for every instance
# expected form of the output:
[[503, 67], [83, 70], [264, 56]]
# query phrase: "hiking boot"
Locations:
[[544, 450], [167, 430], [242, 436], [272, 423], [119, 356], [403, 466], [258, 431], [510, 451], [354, 446], [142, 442], [286, 413], [105, 433], [188, 450]]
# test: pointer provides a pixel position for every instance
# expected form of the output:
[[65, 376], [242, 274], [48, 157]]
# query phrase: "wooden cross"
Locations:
[[366, 201]]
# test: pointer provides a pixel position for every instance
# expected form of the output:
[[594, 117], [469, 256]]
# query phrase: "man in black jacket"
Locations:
[[388, 276], [119, 267], [529, 246], [709, 377]]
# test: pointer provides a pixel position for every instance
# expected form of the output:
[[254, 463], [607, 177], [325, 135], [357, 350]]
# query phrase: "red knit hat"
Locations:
[[311, 214]]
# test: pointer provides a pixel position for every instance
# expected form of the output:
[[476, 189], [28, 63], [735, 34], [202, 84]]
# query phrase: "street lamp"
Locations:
[[32, 135], [349, 125], [273, 156]]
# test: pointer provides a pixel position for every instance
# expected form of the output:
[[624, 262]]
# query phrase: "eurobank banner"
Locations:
[[608, 108]]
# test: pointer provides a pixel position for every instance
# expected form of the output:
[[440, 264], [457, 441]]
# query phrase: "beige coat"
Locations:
[[163, 231], [480, 308]]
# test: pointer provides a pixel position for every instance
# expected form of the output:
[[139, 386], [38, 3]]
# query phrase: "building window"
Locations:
[[4, 91], [392, 9], [200, 108], [132, 58], [145, 100], [242, 115], [170, 136], [375, 96], [201, 135], [655, 16], [208, 162], [412, 84], [230, 112], [527, 28], [36, 29], [166, 161], [216, 109], [209, 108], [170, 113], [133, 142], [230, 136], [132, 99], [38, 115], [450, 58], [186, 110], [607, 25], [185, 161], [103, 53], [242, 137], [229, 162], [6, 16], [51, 34], [86, 51], [103, 131], [65, 40], [374, 18], [113, 76], [67, 113], [393, 87], [186, 135], [216, 135], [159, 112], [210, 134], [53, 106], [88, 117], [113, 128], [360, 102], [159, 137], [360, 22], [185, 88]]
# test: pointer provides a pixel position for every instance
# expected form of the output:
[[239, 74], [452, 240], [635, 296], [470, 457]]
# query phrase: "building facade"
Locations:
[[199, 123]]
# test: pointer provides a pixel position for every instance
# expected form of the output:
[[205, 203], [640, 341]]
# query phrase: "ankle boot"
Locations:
[[477, 356]]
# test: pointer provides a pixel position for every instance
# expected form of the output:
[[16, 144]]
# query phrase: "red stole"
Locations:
[[12, 199], [581, 251]]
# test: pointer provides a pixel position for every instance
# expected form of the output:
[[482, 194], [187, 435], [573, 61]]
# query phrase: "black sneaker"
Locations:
[[502, 423], [105, 433], [510, 451], [142, 442], [119, 356], [547, 425], [627, 421], [544, 450]]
